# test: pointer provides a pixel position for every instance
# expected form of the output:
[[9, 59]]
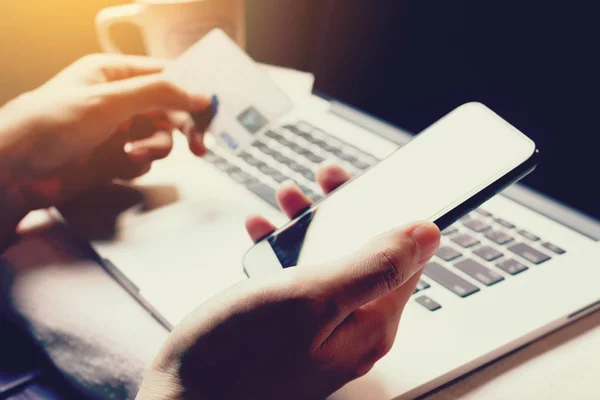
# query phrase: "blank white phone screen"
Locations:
[[439, 169]]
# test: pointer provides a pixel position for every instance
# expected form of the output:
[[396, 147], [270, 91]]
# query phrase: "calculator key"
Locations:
[[553, 248], [447, 253], [488, 253], [428, 303], [449, 230], [476, 225], [483, 212], [529, 253], [511, 266], [498, 237], [465, 240], [449, 280], [529, 236], [479, 272], [504, 223]]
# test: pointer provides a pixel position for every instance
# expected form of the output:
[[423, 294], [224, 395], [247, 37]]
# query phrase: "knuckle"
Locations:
[[394, 260]]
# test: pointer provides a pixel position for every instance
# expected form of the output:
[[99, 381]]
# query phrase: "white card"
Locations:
[[248, 99]]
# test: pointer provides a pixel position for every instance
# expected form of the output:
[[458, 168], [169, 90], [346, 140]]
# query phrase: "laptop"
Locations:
[[517, 268]]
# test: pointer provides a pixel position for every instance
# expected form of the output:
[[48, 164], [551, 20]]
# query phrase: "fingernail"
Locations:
[[427, 237], [137, 153]]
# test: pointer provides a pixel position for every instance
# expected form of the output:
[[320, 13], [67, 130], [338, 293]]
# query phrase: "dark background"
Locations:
[[536, 63]]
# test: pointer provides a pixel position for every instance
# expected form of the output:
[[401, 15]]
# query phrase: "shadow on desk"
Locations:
[[95, 213]]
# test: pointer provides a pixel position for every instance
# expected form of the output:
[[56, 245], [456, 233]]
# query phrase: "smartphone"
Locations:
[[443, 173]]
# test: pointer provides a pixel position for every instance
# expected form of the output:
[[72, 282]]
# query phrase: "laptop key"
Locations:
[[422, 285], [447, 253], [529, 253], [428, 303], [488, 253], [529, 236], [250, 159], [278, 176], [449, 280], [553, 248], [511, 266], [266, 149], [483, 212], [498, 237], [265, 192], [242, 177], [479, 272], [465, 240], [449, 230], [504, 223], [476, 225]]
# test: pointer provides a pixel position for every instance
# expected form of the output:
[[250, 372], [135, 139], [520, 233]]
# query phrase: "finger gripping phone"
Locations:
[[443, 173]]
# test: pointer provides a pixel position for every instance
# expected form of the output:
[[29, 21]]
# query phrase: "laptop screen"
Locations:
[[410, 62]]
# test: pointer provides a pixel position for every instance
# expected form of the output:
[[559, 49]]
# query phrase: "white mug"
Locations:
[[169, 27]]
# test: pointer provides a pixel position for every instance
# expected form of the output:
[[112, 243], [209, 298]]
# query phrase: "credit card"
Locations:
[[248, 99]]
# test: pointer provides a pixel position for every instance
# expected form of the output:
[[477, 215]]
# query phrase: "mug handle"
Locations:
[[107, 17]]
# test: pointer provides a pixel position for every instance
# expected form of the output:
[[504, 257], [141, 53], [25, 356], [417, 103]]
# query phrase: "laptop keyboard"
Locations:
[[477, 252]]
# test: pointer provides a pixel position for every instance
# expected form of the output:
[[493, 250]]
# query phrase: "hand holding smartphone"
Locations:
[[443, 173]]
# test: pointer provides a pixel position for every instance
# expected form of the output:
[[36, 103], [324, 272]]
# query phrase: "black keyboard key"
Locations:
[[511, 266], [278, 176], [267, 170], [449, 280], [309, 175], [250, 159], [312, 157], [265, 192], [529, 253], [498, 237], [360, 164], [449, 230], [483, 212], [479, 272], [422, 285], [504, 223], [465, 240], [476, 225], [282, 159], [428, 303], [447, 253], [347, 157], [273, 135], [296, 148], [553, 248], [266, 149], [242, 177], [488, 253], [529, 236]]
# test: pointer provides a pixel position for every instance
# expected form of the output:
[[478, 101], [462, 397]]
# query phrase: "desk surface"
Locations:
[[562, 365]]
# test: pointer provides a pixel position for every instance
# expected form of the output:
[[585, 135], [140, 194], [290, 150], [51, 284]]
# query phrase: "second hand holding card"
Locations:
[[247, 99]]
